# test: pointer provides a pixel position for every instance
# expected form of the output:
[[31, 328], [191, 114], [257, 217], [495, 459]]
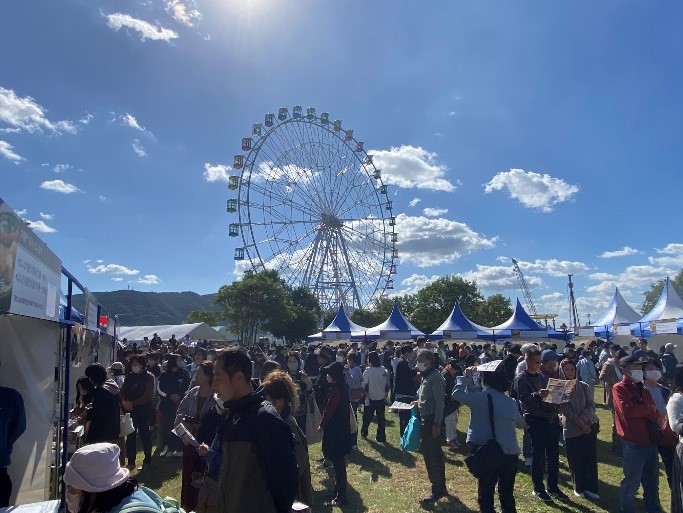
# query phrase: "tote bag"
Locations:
[[410, 441], [313, 419]]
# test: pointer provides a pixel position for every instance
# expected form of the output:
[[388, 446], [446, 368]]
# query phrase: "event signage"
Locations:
[[622, 329], [587, 331], [30, 274], [662, 327], [90, 311]]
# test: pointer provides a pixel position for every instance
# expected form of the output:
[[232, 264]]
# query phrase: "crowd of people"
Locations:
[[242, 419]]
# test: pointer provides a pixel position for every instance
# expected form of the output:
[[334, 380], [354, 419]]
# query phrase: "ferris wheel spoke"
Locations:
[[285, 201]]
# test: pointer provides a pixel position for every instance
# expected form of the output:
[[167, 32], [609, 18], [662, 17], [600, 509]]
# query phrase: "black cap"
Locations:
[[630, 360]]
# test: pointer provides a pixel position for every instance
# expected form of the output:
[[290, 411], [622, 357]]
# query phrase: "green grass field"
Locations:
[[382, 479]]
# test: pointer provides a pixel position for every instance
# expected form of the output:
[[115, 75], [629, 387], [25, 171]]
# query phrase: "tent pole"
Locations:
[[67, 386]]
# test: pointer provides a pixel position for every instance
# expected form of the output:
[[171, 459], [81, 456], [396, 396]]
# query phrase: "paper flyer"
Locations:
[[489, 366], [401, 406], [559, 390]]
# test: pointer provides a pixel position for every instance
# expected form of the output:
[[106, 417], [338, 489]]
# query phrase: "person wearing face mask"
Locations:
[[405, 390], [354, 378], [543, 423], [173, 383], [96, 483], [580, 430], [303, 383], [136, 399], [336, 430], [191, 411], [660, 395], [282, 392], [634, 410], [430, 402]]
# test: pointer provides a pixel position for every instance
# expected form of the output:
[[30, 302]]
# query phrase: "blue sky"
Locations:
[[544, 131]]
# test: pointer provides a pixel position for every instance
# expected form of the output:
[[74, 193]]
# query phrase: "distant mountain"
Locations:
[[136, 308]]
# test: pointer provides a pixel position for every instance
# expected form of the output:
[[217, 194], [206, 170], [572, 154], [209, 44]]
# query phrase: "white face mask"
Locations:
[[293, 366], [73, 500], [340, 359], [136, 369], [653, 375], [420, 366], [637, 375], [219, 402]]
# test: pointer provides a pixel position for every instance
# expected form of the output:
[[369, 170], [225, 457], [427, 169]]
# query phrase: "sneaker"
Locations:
[[579, 494], [178, 454], [527, 462], [337, 502], [558, 494], [323, 465], [144, 466], [542, 495], [591, 495]]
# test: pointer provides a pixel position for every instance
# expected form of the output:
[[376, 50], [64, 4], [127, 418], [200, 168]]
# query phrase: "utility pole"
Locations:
[[573, 315]]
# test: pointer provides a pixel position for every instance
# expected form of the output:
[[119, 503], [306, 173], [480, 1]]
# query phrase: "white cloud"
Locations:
[[452, 113], [40, 226], [149, 279], [184, 12], [99, 261], [138, 148], [25, 114], [86, 261], [673, 258], [61, 168], [434, 212], [102, 198], [216, 172], [414, 202], [497, 278], [59, 186], [146, 30], [533, 190], [625, 251], [112, 269], [130, 121], [7, 151], [412, 167], [47, 217], [427, 242], [553, 267], [631, 278], [85, 120], [21, 212], [502, 259], [117, 279], [10, 130], [415, 282]]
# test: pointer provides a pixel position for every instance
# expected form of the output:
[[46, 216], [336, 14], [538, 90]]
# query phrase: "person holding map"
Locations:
[[580, 430]]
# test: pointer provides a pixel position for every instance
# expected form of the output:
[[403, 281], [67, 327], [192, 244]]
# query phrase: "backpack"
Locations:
[[165, 505]]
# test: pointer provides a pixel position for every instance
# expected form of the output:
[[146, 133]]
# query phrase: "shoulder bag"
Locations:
[[487, 457]]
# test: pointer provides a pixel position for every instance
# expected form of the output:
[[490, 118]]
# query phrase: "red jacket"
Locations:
[[632, 411]]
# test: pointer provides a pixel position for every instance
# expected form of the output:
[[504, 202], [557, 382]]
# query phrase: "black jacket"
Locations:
[[533, 407], [104, 414], [259, 473], [172, 383], [404, 384]]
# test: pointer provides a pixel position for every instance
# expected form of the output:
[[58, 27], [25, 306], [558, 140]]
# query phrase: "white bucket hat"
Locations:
[[95, 468]]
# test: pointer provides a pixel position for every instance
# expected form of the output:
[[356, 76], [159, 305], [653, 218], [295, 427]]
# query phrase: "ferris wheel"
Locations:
[[312, 205]]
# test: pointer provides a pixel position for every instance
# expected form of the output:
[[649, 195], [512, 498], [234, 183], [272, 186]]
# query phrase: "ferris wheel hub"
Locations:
[[330, 221]]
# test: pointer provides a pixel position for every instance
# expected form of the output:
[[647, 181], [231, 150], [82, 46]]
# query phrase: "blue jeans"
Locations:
[[641, 465]]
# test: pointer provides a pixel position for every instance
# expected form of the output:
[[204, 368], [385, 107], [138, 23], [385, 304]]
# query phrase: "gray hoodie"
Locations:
[[580, 406]]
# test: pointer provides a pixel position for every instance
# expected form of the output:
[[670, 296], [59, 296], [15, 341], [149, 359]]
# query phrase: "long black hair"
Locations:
[[106, 501]]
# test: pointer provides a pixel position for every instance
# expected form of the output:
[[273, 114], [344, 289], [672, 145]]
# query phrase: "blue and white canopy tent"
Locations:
[[664, 315], [520, 325], [395, 327], [456, 326], [618, 318], [340, 328]]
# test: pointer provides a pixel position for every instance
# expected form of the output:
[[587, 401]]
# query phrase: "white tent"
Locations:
[[198, 330], [227, 335]]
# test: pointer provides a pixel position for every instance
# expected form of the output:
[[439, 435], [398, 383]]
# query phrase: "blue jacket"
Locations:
[[12, 422]]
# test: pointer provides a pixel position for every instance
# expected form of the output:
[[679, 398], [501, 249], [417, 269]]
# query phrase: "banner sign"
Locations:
[[30, 274], [104, 322], [622, 329], [663, 327], [587, 331], [90, 311]]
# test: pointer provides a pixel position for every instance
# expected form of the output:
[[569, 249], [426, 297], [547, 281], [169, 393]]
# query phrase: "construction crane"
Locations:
[[525, 289], [531, 306], [573, 315]]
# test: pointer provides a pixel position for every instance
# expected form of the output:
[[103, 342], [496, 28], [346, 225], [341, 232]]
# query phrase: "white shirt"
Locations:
[[376, 379], [674, 410]]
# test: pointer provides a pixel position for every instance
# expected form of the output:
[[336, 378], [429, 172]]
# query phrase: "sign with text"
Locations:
[[587, 331], [663, 327], [90, 311], [30, 273]]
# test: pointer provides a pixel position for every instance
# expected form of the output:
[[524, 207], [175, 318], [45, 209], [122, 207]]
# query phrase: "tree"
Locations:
[[494, 310], [377, 315], [210, 318], [304, 315], [652, 295], [253, 304], [433, 304]]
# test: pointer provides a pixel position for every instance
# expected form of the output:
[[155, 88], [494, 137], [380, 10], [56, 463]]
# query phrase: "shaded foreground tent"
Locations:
[[396, 327], [663, 316], [198, 330], [457, 326], [617, 319], [340, 328]]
